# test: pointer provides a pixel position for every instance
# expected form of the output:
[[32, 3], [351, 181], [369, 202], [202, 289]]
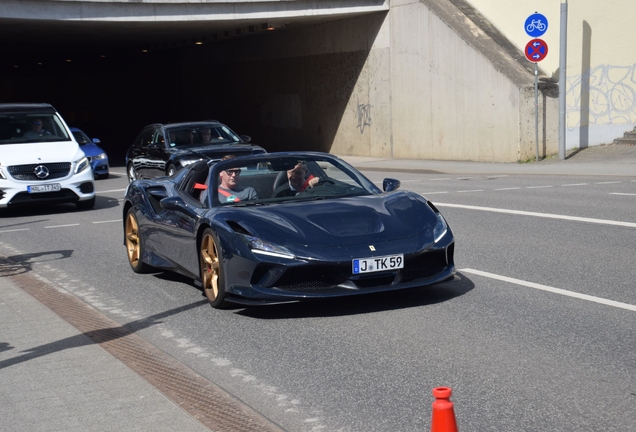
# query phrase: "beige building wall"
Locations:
[[601, 60]]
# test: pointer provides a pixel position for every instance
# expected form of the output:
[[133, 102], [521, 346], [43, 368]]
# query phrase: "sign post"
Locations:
[[536, 50]]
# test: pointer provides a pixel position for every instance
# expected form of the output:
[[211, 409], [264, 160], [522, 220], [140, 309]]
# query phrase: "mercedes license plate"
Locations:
[[377, 264], [51, 187]]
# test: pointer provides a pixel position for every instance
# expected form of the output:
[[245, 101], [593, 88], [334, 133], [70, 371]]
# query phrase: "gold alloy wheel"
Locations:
[[132, 240], [210, 267]]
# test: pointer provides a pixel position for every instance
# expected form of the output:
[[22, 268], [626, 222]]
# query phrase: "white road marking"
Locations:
[[543, 215], [609, 182], [108, 221], [112, 190], [440, 179], [575, 184], [551, 289], [432, 193], [14, 230], [538, 187], [473, 190], [61, 226], [618, 193], [510, 188]]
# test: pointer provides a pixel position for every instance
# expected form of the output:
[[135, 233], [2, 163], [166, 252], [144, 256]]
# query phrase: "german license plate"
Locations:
[[377, 264], [51, 187]]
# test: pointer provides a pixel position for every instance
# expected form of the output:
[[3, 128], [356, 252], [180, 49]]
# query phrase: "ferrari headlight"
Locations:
[[440, 228], [81, 165], [100, 156], [264, 248]]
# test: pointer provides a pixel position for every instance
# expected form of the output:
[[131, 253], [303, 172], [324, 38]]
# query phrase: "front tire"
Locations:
[[134, 244], [171, 170], [212, 275]]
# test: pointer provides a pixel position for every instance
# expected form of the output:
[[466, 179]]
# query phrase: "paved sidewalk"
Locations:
[[54, 378], [607, 160]]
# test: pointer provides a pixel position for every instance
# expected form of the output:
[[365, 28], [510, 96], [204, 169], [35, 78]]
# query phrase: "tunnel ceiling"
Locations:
[[37, 32], [31, 42]]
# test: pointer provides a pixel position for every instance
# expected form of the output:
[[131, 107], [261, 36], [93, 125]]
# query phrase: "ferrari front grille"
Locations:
[[424, 265], [27, 172], [307, 286], [322, 278], [315, 278]]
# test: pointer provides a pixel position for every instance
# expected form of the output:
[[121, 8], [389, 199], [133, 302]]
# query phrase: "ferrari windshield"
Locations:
[[289, 179], [200, 135], [32, 127]]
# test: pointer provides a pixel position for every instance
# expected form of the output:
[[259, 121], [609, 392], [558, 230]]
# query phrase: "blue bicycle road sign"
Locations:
[[536, 25]]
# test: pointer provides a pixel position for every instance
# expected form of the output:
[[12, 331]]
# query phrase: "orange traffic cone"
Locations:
[[443, 412]]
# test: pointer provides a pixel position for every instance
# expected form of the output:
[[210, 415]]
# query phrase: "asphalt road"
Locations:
[[534, 334]]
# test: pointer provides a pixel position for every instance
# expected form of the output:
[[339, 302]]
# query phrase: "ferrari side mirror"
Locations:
[[390, 184]]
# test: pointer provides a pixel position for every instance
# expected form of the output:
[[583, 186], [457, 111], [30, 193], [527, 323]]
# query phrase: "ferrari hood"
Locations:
[[339, 222]]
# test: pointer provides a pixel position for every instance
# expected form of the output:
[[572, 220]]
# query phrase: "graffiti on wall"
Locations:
[[605, 95], [364, 116]]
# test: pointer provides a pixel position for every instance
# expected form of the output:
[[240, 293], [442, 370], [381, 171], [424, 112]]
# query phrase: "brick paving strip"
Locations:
[[208, 403]]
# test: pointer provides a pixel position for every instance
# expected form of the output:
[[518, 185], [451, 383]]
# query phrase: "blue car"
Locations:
[[95, 154]]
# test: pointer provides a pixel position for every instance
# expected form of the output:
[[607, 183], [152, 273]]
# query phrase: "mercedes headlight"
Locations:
[[265, 248], [81, 165]]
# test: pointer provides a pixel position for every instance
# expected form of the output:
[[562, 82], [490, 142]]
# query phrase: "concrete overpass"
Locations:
[[61, 29], [410, 79]]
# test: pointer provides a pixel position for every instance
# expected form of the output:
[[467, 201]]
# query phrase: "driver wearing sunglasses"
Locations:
[[37, 129]]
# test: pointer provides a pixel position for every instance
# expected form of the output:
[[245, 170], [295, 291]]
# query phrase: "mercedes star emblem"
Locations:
[[41, 171]]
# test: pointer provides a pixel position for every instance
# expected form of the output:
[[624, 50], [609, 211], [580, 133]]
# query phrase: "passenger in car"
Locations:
[[298, 180], [229, 189], [37, 129]]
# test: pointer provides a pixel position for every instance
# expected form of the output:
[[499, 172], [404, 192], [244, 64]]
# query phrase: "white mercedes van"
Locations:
[[40, 161]]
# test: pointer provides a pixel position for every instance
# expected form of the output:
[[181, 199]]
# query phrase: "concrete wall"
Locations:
[[601, 61], [401, 85], [449, 102], [321, 87]]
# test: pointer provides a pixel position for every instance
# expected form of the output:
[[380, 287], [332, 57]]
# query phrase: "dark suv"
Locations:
[[162, 149]]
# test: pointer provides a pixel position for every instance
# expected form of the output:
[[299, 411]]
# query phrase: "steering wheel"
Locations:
[[324, 181]]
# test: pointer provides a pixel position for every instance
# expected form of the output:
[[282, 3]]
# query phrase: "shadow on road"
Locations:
[[101, 202], [367, 303], [19, 264]]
